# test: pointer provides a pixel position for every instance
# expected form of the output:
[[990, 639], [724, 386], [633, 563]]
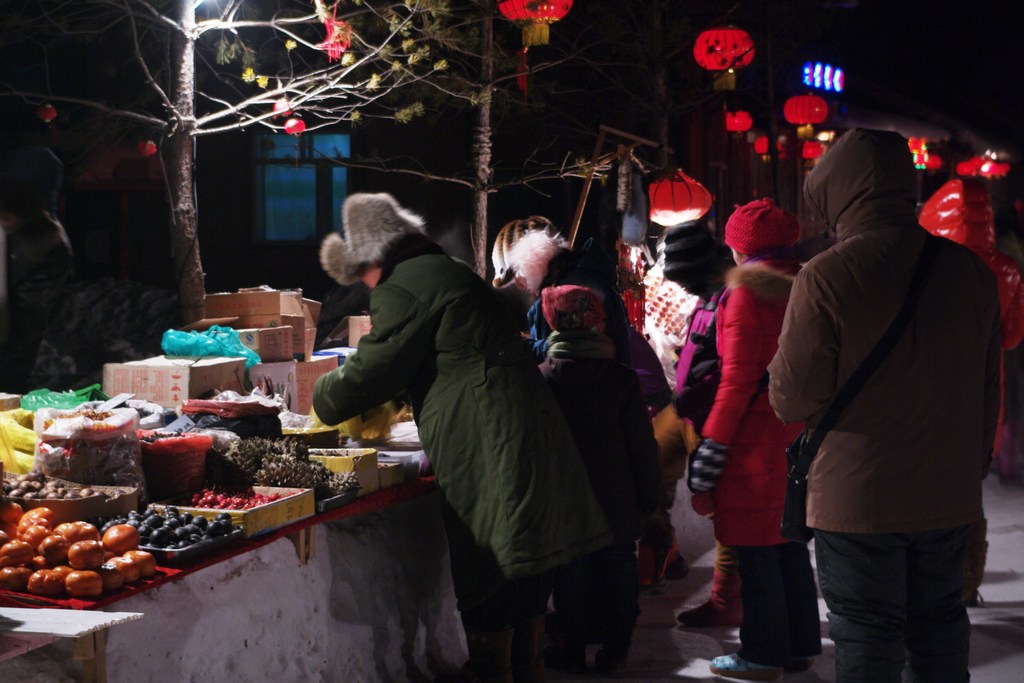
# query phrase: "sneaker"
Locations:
[[734, 666], [798, 664]]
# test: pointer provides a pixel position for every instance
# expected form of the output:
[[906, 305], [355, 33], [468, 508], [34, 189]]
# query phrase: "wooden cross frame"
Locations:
[[596, 159]]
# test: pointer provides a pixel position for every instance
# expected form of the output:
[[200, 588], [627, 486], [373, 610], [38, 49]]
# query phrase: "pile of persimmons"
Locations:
[[69, 559]]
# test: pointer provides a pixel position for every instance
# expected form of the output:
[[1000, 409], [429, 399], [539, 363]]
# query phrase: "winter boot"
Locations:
[[723, 608], [490, 657], [528, 651], [974, 567]]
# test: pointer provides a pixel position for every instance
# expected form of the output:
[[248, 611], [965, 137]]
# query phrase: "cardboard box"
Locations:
[[294, 380], [10, 401], [258, 307], [299, 504], [273, 344], [171, 380], [390, 473], [362, 461]]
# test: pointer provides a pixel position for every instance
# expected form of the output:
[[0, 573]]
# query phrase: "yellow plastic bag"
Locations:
[[17, 440], [374, 424]]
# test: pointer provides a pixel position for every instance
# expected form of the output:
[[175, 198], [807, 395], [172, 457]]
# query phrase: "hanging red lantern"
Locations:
[[677, 199], [991, 168], [46, 112], [801, 110], [535, 17], [761, 144], [147, 148], [933, 162], [811, 149], [738, 121], [282, 107], [969, 167], [294, 126], [726, 47]]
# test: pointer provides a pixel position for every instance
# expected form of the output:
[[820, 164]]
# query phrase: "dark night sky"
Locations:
[[963, 58]]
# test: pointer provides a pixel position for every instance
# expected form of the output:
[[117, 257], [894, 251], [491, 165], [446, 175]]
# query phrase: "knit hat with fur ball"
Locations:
[[570, 308], [692, 257], [760, 225], [525, 247], [372, 223]]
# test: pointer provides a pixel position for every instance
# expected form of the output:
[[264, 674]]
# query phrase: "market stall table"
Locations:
[[374, 600]]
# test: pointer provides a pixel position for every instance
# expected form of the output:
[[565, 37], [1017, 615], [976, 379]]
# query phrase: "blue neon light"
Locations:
[[824, 77]]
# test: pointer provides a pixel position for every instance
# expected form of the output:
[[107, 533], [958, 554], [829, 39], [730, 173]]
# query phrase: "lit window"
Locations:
[[300, 185]]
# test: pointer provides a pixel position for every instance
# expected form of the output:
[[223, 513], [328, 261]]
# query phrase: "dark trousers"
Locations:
[[894, 599], [604, 586], [780, 604], [512, 603]]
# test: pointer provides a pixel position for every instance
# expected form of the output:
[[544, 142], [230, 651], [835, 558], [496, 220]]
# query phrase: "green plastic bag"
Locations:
[[65, 400], [216, 341]]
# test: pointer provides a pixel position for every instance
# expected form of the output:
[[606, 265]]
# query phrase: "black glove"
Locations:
[[706, 465]]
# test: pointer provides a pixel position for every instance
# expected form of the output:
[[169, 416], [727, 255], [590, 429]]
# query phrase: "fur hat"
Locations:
[[524, 247], [372, 223], [571, 308], [760, 225], [692, 257]]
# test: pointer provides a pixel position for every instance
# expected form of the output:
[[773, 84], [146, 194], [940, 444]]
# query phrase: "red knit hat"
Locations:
[[571, 307], [761, 225]]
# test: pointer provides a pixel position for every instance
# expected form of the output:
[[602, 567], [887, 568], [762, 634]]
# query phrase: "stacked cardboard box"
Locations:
[[262, 307], [171, 380]]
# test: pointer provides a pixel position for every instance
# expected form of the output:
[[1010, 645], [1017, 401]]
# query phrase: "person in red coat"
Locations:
[[739, 469]]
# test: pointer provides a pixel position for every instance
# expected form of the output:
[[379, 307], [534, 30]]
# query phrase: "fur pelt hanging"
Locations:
[[631, 224]]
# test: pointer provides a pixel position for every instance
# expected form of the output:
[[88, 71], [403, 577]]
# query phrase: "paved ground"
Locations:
[[665, 652]]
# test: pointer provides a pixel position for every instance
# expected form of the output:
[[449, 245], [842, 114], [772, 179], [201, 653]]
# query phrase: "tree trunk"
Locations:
[[179, 159], [482, 155]]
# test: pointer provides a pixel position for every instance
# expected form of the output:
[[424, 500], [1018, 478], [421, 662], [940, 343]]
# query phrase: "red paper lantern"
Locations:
[[994, 169], [147, 148], [282, 107], [535, 17], [801, 110], [294, 126], [738, 122], [933, 162], [677, 199], [969, 167], [811, 149], [726, 47], [46, 112]]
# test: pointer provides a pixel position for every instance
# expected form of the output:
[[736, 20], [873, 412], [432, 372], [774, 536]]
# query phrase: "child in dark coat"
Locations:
[[602, 403]]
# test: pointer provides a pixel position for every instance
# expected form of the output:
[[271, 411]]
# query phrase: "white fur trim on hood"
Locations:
[[530, 255], [371, 224]]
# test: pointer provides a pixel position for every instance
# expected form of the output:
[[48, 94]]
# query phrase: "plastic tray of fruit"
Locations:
[[325, 504], [175, 537], [175, 556], [258, 509]]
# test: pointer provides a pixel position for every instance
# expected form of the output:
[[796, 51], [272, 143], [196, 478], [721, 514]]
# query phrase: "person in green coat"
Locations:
[[516, 498]]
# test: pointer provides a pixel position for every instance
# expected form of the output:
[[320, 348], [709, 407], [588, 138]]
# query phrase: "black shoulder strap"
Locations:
[[868, 366]]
